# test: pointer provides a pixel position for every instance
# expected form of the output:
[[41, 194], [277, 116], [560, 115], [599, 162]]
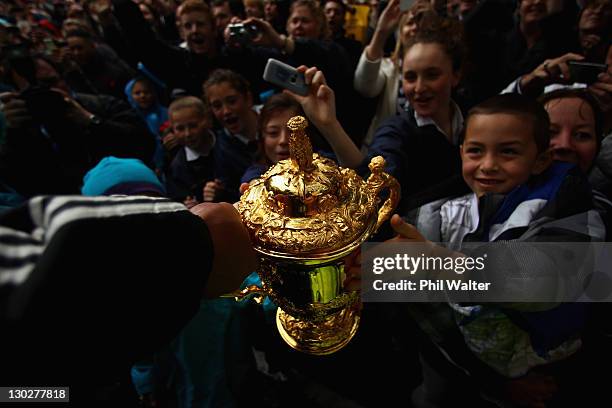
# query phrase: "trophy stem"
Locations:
[[318, 338]]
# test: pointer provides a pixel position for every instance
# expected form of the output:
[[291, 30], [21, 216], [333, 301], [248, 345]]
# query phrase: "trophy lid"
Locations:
[[307, 206]]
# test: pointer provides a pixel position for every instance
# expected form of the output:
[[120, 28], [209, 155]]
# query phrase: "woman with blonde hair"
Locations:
[[307, 20]]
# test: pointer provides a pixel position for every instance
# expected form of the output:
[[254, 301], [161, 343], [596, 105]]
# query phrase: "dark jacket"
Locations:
[[103, 282], [227, 162], [418, 157], [557, 206], [101, 75], [177, 67]]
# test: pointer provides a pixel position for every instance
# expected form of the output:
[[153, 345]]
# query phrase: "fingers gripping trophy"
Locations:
[[305, 215]]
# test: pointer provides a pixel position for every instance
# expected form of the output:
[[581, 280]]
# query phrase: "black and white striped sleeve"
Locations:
[[123, 272]]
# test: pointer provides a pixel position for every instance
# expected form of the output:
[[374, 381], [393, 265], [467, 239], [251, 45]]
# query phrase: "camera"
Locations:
[[44, 104], [241, 33]]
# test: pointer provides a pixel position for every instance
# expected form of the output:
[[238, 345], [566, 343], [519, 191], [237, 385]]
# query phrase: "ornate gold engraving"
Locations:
[[305, 214]]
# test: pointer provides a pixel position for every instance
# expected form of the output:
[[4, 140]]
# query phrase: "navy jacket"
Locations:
[[418, 157]]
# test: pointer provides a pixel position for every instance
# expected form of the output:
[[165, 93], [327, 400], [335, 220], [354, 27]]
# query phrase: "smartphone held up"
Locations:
[[285, 76], [585, 72]]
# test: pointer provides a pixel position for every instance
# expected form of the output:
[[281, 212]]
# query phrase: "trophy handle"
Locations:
[[379, 181], [240, 295]]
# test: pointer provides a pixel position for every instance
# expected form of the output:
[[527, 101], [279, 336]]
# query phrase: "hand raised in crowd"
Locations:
[[386, 25], [14, 110], [265, 36], [549, 72], [227, 38], [320, 107], [389, 18], [320, 103], [212, 190], [170, 141]]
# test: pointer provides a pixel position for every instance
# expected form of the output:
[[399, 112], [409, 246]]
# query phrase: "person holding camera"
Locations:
[[55, 135], [188, 66], [307, 43]]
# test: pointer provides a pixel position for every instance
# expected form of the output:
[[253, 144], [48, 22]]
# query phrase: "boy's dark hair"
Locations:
[[516, 104], [586, 97], [446, 32], [236, 81]]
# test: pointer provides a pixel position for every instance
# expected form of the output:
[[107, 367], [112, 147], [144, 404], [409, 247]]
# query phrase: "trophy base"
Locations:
[[320, 338]]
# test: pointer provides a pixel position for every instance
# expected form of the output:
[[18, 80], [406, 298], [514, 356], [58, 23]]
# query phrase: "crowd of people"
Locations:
[[495, 116]]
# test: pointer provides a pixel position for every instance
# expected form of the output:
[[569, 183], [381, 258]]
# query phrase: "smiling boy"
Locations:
[[506, 142], [518, 194]]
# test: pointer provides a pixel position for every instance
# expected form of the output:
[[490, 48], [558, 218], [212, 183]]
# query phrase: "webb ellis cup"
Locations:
[[305, 215]]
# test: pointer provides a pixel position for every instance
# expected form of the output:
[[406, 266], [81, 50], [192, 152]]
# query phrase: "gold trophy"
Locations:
[[305, 215]]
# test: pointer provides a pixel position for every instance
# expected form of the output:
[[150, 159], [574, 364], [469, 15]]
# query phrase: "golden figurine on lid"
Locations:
[[305, 215]]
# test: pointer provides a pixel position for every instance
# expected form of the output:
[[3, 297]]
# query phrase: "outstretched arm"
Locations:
[[320, 107]]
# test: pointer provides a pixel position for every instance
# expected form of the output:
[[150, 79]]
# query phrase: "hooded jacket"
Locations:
[[510, 339]]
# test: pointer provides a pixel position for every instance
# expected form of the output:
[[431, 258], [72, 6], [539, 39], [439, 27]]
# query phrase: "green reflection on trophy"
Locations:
[[305, 215]]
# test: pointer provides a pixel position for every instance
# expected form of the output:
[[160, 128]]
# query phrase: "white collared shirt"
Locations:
[[245, 140], [191, 155], [456, 123]]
